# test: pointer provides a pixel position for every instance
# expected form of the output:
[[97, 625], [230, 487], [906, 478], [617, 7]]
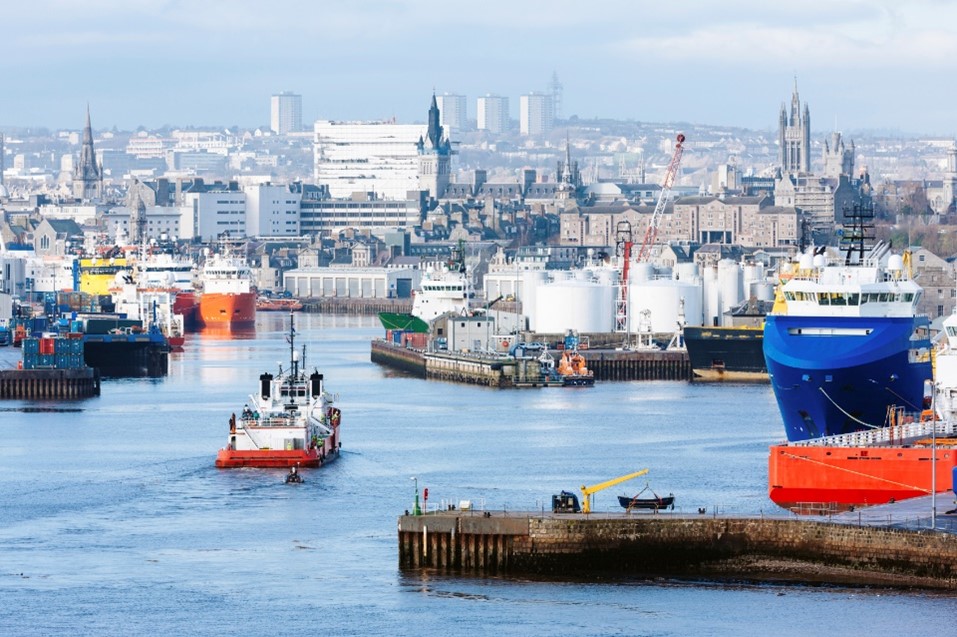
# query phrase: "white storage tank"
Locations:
[[641, 272], [686, 271], [574, 305], [729, 282], [531, 281], [762, 290], [663, 298], [710, 296]]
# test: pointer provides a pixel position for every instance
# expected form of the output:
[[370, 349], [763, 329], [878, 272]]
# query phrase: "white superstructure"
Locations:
[[442, 289], [880, 287], [225, 274]]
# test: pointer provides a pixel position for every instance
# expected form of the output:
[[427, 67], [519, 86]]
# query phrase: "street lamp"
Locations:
[[415, 509]]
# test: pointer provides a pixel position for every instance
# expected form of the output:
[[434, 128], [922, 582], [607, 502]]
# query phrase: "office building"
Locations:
[[367, 157]]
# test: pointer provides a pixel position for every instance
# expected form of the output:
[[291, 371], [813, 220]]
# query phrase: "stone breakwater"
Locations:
[[785, 549]]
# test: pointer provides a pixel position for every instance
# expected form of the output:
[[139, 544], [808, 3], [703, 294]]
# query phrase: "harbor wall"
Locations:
[[336, 305], [505, 372], [662, 545], [403, 358], [49, 384]]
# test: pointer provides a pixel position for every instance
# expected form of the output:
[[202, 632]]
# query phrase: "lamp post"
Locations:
[[415, 508]]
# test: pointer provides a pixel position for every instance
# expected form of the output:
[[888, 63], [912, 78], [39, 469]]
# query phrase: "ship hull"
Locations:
[[404, 322], [841, 477], [126, 356], [187, 305], [228, 309], [836, 375], [280, 458], [726, 353]]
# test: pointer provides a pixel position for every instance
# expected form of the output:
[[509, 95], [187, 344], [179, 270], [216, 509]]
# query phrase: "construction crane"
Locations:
[[623, 240], [588, 491], [651, 234]]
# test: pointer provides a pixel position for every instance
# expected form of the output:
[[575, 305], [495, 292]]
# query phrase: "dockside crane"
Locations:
[[587, 492], [623, 237], [651, 233]]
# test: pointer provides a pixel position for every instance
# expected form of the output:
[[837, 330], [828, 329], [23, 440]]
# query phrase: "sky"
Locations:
[[882, 65]]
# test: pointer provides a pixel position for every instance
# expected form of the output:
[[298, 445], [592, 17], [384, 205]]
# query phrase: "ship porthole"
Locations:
[[828, 453]]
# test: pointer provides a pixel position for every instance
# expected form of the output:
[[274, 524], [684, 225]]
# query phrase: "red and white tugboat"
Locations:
[[289, 422]]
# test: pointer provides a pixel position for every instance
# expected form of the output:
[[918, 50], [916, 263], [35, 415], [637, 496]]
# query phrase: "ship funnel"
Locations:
[[265, 380], [315, 384]]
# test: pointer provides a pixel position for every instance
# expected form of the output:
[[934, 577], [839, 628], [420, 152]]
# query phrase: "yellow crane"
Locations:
[[588, 491]]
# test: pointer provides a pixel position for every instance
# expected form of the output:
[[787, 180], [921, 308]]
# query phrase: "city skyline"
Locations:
[[860, 66]]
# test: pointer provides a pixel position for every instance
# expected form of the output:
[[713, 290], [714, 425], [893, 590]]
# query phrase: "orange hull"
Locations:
[[856, 475], [228, 309], [280, 458]]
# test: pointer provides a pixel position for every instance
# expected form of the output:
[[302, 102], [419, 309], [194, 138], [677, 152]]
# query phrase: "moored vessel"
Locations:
[[851, 343], [227, 298], [733, 353], [444, 288], [265, 304], [907, 458], [290, 421]]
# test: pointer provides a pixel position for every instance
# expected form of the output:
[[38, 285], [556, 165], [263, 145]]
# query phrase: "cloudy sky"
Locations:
[[883, 64]]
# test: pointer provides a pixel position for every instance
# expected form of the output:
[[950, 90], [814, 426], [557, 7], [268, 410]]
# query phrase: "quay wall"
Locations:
[[639, 364], [49, 384], [406, 359], [656, 545], [336, 305], [504, 372]]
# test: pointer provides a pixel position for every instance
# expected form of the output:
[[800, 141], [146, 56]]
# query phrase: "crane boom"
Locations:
[[651, 234], [595, 488]]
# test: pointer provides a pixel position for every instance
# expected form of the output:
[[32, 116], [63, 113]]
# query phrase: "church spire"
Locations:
[[87, 175], [435, 129]]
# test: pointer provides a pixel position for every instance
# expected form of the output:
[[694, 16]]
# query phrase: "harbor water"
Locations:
[[114, 521]]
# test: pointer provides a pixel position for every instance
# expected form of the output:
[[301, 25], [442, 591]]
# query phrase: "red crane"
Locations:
[[624, 243], [652, 232]]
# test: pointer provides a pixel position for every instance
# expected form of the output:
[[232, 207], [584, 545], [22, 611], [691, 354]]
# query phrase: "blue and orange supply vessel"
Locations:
[[850, 365], [850, 344]]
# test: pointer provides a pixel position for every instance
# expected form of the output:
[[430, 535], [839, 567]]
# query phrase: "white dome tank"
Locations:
[[819, 261], [686, 271], [663, 298], [895, 263], [532, 280], [607, 276], [641, 272], [574, 305], [807, 261]]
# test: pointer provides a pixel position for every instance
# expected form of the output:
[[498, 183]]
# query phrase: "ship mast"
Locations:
[[292, 346]]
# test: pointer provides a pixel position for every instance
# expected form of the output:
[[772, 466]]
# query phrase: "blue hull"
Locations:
[[845, 381]]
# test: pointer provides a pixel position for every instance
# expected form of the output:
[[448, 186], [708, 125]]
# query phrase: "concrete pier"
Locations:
[[493, 371], [49, 384], [790, 549]]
